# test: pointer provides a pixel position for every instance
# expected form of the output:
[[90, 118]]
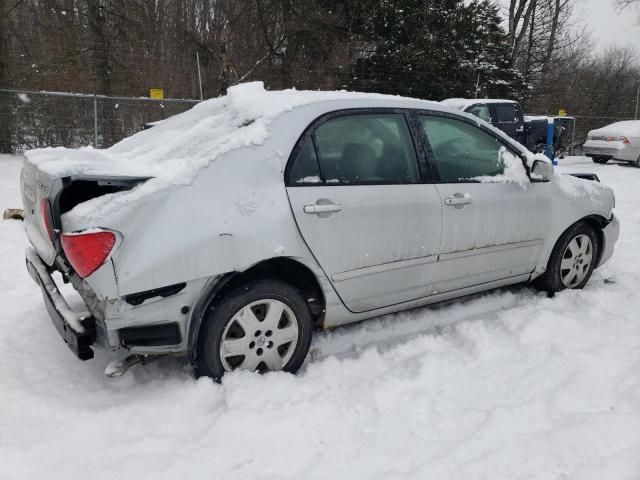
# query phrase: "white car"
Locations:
[[618, 141], [230, 232]]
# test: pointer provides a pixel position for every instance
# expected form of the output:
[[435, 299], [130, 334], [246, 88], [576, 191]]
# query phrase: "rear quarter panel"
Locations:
[[234, 214]]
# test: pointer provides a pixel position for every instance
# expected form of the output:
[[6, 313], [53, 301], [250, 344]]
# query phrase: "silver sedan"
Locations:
[[231, 232], [618, 141]]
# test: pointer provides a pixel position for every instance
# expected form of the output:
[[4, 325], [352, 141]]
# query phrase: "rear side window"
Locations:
[[507, 112], [366, 148], [305, 167], [461, 151], [480, 111]]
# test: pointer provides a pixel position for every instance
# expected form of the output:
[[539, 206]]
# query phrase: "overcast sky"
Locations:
[[608, 26]]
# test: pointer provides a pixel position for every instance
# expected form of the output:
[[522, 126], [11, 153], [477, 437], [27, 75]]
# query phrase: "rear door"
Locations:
[[360, 200], [493, 228]]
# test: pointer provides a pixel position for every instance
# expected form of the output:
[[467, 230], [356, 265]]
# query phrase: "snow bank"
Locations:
[[503, 386]]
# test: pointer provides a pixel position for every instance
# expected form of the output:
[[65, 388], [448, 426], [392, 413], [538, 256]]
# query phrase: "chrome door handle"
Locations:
[[519, 129], [322, 208], [458, 200]]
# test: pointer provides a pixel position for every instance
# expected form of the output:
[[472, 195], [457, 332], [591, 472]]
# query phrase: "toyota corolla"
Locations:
[[233, 231]]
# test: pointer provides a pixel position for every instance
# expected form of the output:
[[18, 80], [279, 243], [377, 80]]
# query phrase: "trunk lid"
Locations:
[[62, 192]]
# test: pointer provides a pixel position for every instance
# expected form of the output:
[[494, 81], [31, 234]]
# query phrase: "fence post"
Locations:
[[95, 121], [573, 136]]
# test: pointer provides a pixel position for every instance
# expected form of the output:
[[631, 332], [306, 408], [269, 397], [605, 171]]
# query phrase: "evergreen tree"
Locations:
[[432, 49]]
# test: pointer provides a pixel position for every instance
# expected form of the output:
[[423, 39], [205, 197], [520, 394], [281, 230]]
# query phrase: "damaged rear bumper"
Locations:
[[77, 329]]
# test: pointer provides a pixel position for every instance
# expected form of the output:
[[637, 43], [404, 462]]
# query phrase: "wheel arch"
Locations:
[[285, 269], [597, 222]]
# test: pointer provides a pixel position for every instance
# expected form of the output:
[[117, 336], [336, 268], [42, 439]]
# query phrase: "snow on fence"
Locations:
[[35, 119]]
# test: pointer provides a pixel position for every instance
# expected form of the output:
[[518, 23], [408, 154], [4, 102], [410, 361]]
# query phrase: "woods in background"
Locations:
[[430, 49]]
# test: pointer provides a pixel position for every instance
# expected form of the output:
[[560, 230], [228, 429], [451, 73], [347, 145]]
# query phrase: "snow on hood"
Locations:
[[575, 188], [629, 128]]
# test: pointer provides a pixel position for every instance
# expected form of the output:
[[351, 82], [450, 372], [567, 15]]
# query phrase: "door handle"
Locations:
[[322, 208], [520, 129], [458, 200]]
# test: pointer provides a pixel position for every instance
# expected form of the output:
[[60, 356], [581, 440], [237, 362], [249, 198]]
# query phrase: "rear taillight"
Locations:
[[87, 251], [45, 214], [624, 140]]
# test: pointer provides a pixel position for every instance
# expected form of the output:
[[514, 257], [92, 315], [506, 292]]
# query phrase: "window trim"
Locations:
[[418, 147], [431, 161]]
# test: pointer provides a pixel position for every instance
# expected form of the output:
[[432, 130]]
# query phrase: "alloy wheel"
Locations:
[[576, 261], [260, 336]]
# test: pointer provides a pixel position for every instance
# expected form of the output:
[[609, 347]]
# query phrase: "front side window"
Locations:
[[366, 148], [462, 151]]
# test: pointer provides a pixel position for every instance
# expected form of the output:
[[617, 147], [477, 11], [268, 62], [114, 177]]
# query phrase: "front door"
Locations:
[[359, 200], [494, 218]]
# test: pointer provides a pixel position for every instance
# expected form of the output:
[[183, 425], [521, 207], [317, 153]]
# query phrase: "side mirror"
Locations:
[[541, 171]]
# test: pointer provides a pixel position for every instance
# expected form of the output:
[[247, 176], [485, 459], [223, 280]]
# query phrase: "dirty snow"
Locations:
[[505, 385]]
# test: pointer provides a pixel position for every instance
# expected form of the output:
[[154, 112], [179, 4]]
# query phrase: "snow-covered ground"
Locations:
[[505, 385]]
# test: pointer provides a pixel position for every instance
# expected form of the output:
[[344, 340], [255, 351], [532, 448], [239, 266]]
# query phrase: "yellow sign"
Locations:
[[562, 112], [157, 93]]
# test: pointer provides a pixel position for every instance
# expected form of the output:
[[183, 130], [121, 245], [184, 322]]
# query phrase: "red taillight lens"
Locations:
[[625, 140], [87, 251], [45, 213]]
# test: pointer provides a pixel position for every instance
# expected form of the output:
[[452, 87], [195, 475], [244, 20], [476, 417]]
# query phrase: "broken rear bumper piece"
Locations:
[[77, 329]]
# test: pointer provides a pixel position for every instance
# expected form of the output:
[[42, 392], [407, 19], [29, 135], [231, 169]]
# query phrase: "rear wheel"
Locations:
[[600, 159], [572, 260], [637, 163], [262, 326]]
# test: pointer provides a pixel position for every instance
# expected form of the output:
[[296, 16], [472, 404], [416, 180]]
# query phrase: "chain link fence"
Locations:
[[30, 119]]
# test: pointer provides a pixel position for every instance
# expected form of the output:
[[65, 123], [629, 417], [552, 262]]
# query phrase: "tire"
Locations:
[[636, 163], [566, 259], [600, 159], [254, 341]]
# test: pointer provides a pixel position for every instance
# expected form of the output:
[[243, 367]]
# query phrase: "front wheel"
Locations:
[[600, 159], [572, 260], [262, 326]]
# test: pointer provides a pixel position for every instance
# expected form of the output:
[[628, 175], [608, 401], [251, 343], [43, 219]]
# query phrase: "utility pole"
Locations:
[[637, 99], [199, 77]]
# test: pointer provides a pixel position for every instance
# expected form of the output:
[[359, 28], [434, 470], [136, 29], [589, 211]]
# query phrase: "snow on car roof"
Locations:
[[462, 103], [629, 128], [176, 148]]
